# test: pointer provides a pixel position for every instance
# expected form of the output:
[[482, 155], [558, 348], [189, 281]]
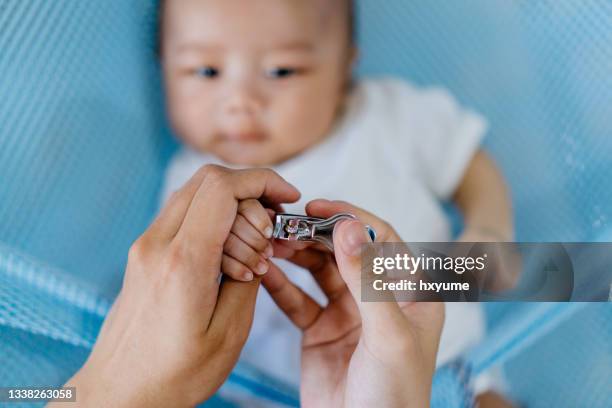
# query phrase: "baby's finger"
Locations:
[[240, 251], [257, 215], [236, 270], [251, 236]]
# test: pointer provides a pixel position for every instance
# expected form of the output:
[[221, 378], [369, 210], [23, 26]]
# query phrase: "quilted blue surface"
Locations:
[[84, 143]]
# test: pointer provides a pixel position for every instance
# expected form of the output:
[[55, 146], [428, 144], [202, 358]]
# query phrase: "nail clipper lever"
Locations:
[[292, 227]]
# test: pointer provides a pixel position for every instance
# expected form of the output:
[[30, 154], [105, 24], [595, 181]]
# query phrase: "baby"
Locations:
[[268, 83]]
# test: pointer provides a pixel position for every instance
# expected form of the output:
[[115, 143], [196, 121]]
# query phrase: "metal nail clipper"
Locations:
[[291, 227]]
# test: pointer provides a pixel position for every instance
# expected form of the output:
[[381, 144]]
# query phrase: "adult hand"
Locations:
[[354, 353], [174, 332]]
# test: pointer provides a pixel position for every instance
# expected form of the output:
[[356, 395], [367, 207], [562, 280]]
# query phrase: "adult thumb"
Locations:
[[349, 240]]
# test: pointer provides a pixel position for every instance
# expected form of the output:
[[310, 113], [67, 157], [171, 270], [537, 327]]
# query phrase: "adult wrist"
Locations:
[[92, 390]]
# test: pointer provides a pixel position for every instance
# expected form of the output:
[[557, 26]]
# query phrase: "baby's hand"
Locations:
[[248, 247]]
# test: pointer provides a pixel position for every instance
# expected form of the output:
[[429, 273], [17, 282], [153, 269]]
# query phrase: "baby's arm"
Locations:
[[483, 198], [248, 247]]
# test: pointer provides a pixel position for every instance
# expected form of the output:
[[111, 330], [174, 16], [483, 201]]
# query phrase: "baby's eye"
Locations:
[[207, 72], [281, 72]]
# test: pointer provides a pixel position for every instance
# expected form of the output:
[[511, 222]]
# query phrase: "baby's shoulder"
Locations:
[[396, 119], [393, 96], [406, 114]]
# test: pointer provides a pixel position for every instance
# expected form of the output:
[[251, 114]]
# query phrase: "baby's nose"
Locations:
[[243, 99]]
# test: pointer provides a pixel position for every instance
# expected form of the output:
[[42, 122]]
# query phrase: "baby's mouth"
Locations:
[[244, 137]]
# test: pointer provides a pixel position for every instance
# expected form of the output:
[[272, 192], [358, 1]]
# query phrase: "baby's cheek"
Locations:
[[193, 124], [303, 122]]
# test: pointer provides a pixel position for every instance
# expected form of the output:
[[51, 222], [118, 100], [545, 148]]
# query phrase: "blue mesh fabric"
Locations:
[[540, 73], [450, 387], [571, 366], [83, 146]]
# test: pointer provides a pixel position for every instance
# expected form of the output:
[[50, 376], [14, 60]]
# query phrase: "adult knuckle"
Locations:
[[320, 263], [175, 256], [212, 170], [213, 175], [295, 307], [176, 259], [139, 251]]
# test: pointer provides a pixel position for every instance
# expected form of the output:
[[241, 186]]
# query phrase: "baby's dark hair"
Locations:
[[350, 6]]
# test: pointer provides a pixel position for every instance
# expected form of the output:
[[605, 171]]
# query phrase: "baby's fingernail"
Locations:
[[269, 251], [248, 276], [268, 232], [262, 268]]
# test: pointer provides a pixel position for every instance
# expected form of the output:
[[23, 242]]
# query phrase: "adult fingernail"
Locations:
[[262, 268], [354, 236], [248, 276]]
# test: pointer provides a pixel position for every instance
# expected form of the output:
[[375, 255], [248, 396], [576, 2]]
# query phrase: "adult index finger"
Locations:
[[212, 211]]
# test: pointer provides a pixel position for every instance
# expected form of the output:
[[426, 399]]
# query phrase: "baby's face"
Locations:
[[254, 82]]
